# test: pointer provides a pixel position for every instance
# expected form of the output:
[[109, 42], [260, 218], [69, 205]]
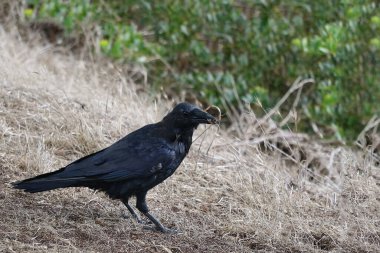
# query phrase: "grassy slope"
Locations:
[[232, 198]]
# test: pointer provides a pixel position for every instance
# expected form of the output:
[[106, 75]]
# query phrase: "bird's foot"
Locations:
[[170, 231], [161, 229], [158, 226]]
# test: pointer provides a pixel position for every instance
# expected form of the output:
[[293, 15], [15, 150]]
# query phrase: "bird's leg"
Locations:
[[133, 213], [159, 226], [142, 207]]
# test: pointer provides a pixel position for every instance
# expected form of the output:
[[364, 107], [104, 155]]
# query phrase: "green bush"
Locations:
[[226, 50]]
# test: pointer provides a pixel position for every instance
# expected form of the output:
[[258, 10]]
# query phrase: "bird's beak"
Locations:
[[203, 117]]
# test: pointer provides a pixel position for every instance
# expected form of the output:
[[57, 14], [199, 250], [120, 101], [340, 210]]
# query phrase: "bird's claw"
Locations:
[[170, 231], [161, 229]]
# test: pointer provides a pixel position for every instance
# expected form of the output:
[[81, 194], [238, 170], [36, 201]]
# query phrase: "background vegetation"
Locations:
[[227, 51], [260, 189]]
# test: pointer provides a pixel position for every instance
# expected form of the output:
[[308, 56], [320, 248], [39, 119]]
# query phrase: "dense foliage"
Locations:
[[225, 50]]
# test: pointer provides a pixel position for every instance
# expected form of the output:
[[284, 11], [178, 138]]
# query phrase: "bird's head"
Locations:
[[185, 115]]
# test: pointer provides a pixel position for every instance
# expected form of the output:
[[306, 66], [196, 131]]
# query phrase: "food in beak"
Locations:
[[215, 112]]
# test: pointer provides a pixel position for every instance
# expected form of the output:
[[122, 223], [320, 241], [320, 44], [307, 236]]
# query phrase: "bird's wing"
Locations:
[[123, 160]]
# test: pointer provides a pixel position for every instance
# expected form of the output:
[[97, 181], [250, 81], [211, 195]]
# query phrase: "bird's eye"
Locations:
[[185, 113]]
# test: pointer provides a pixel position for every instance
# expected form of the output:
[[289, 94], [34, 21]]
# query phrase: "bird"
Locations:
[[134, 164]]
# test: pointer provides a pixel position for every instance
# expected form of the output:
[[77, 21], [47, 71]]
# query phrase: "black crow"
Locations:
[[133, 165]]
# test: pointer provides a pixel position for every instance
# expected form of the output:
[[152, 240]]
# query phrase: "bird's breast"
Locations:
[[182, 144], [180, 148]]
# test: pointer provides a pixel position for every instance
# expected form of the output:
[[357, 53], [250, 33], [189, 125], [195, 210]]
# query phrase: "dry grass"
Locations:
[[267, 190]]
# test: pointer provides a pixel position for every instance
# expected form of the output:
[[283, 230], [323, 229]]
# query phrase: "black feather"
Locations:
[[132, 165]]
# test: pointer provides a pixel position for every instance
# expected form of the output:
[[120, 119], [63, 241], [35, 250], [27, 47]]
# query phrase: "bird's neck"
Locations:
[[184, 133], [177, 134], [186, 138], [182, 136]]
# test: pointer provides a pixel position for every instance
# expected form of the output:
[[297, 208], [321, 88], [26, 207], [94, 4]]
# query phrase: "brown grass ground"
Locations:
[[230, 195]]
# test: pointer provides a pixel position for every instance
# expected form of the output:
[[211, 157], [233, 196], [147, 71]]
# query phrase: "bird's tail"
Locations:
[[45, 182]]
